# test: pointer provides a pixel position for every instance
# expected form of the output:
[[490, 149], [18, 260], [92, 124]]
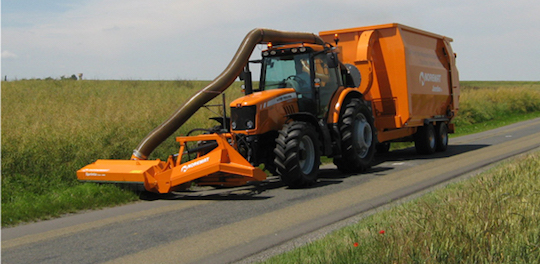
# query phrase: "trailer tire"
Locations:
[[358, 137], [442, 137], [425, 140], [297, 154]]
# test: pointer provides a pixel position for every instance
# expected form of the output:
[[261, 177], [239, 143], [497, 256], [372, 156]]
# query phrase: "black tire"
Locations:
[[383, 147], [358, 137], [425, 140], [442, 137], [297, 154]]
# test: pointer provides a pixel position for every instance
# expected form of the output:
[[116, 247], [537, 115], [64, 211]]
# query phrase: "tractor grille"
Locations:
[[243, 118]]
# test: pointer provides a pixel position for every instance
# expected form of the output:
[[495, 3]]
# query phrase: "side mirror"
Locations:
[[242, 76], [332, 60], [245, 76]]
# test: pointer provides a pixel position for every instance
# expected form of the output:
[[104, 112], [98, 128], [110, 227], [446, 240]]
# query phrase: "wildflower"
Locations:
[[381, 232], [355, 244]]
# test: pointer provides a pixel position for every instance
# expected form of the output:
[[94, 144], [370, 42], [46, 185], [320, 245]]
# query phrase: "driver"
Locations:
[[302, 77]]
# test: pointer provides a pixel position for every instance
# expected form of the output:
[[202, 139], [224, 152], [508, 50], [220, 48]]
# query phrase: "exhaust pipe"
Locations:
[[218, 85]]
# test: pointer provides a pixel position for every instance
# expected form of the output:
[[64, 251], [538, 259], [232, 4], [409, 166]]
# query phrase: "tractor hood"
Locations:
[[261, 112]]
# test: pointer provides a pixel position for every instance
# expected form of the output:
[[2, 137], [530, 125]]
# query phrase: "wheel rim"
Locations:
[[444, 140], [306, 152], [363, 136], [444, 135], [431, 138]]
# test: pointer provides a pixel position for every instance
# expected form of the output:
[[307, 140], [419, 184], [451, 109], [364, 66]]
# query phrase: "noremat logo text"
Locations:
[[94, 172], [196, 163], [429, 77]]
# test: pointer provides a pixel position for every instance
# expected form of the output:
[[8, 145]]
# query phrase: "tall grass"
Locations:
[[493, 218], [50, 129], [482, 104]]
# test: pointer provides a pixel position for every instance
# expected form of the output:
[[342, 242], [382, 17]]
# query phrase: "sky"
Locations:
[[196, 39]]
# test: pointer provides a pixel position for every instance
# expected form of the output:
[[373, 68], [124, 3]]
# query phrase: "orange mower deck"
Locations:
[[217, 164]]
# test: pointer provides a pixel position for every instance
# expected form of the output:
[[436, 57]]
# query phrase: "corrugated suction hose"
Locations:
[[219, 84]]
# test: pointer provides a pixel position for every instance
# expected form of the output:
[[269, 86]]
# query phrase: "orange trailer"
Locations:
[[409, 75], [343, 94]]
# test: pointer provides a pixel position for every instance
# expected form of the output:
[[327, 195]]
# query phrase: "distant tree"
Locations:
[[73, 77]]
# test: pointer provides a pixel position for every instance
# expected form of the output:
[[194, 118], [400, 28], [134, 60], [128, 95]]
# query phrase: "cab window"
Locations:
[[326, 81], [291, 71]]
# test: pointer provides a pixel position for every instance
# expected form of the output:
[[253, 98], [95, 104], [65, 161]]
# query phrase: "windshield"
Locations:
[[290, 71]]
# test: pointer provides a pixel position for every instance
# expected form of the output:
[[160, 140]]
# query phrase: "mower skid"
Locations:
[[119, 171], [222, 166]]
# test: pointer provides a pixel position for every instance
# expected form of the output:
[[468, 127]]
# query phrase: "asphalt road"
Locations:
[[249, 223]]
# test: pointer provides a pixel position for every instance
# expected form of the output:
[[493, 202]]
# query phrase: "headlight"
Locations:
[[250, 124]]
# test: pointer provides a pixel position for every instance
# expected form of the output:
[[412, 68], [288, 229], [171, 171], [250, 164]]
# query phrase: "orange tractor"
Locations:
[[344, 94]]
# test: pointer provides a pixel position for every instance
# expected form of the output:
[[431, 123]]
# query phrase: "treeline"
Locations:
[[73, 77]]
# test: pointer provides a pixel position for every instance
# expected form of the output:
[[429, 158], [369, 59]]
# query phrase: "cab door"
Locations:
[[325, 82]]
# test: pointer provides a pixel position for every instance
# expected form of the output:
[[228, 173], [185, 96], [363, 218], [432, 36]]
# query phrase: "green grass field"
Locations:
[[50, 129]]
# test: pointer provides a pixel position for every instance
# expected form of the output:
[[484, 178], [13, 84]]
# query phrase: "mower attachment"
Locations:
[[216, 163]]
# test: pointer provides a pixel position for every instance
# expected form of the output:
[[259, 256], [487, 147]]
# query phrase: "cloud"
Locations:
[[6, 54], [195, 39]]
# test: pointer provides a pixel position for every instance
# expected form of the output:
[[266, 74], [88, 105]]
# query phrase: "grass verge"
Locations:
[[492, 218]]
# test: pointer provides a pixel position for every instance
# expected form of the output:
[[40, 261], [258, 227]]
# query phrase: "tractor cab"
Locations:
[[308, 69]]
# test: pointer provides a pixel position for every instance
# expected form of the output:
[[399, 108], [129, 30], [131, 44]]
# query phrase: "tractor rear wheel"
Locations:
[[297, 154], [358, 137]]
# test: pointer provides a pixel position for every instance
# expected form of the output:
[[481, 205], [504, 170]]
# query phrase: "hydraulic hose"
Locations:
[[219, 84]]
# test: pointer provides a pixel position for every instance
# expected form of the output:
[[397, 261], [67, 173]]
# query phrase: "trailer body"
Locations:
[[409, 75]]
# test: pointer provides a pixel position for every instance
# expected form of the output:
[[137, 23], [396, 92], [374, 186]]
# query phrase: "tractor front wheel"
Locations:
[[297, 154]]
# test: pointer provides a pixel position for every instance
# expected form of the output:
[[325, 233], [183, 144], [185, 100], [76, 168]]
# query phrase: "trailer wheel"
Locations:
[[297, 154], [442, 137], [358, 137], [425, 140]]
